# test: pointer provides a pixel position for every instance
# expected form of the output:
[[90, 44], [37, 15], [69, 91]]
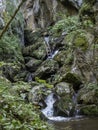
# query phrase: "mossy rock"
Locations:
[[31, 37], [87, 9], [10, 70], [46, 69], [64, 57], [33, 64], [81, 42], [73, 79], [90, 110], [37, 51], [88, 94]]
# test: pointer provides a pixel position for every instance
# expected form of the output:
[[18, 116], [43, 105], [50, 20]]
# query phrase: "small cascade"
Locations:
[[48, 49], [75, 105], [49, 110], [50, 53]]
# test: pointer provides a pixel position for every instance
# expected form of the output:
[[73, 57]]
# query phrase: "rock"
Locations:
[[88, 94], [31, 37], [64, 104], [89, 110], [74, 3], [36, 17], [63, 88], [73, 79], [64, 57], [47, 68], [37, 51], [38, 93], [10, 70], [33, 64]]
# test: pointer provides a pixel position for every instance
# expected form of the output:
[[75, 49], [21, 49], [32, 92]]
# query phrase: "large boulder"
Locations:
[[33, 64], [47, 68], [64, 104], [39, 91], [88, 98], [37, 50]]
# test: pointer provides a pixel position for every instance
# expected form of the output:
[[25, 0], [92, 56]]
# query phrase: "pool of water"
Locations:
[[76, 124]]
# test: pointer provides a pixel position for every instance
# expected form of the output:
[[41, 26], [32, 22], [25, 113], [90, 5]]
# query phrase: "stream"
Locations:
[[72, 122], [76, 124]]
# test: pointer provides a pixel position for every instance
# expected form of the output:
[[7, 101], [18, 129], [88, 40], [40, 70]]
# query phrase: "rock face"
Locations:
[[42, 13]]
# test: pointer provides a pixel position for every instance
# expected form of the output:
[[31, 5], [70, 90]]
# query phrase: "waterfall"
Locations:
[[75, 105], [49, 110], [47, 45], [50, 53]]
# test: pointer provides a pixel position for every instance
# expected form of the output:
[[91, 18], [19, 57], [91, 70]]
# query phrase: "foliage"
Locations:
[[10, 48], [13, 20], [43, 82], [15, 112], [67, 24], [92, 86]]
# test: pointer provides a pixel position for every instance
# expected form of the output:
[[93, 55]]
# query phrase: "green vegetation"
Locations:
[[10, 49], [67, 24], [15, 112], [81, 41], [43, 82], [90, 110]]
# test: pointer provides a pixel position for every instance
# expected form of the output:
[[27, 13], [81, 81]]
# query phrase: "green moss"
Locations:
[[15, 112], [43, 82], [81, 41], [90, 110], [67, 24], [72, 78]]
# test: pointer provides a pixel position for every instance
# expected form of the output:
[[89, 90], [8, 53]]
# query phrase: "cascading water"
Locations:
[[76, 110], [50, 53], [49, 110]]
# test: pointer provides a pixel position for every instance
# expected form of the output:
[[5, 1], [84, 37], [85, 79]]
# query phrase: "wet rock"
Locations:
[[64, 57], [47, 68]]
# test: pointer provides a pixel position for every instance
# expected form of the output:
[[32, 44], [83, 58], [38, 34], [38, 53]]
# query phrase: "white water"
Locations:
[[49, 111]]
